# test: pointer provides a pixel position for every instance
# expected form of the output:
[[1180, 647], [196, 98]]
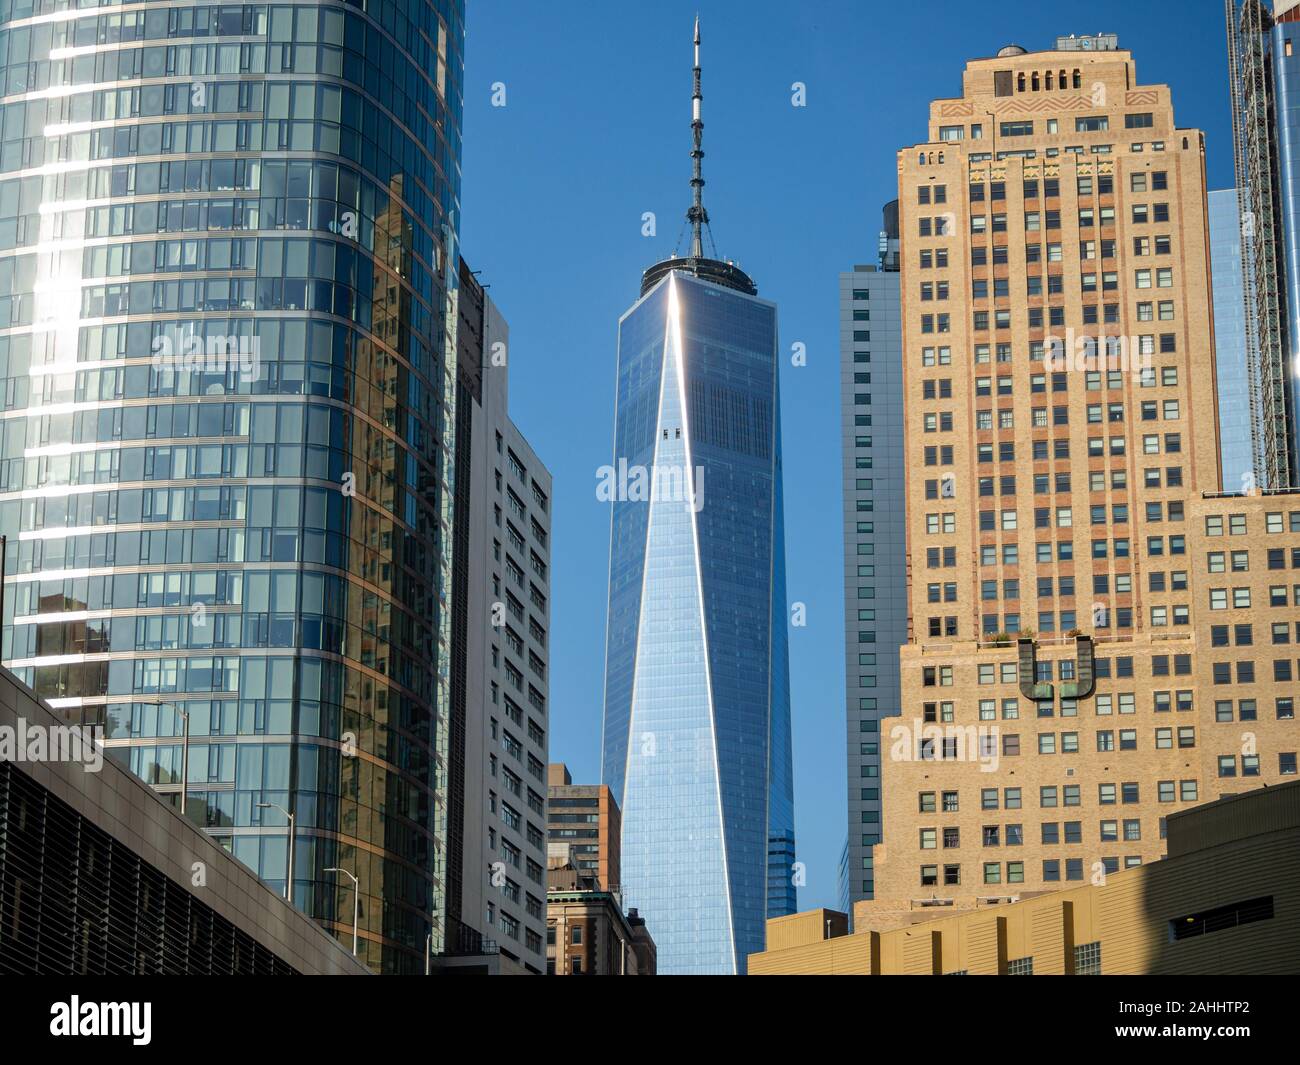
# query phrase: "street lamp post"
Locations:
[[185, 759], [4, 563], [356, 902], [288, 884]]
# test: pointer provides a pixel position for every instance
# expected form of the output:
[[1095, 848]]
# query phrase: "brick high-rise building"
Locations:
[[587, 933], [1096, 631], [584, 822]]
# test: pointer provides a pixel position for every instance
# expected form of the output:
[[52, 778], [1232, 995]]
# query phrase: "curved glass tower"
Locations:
[[227, 239], [697, 705]]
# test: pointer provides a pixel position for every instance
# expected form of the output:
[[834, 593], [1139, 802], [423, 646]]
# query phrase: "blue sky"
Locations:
[[595, 132]]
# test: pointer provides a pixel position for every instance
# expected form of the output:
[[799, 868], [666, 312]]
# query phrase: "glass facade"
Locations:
[[227, 236], [873, 446], [1286, 100], [1236, 456], [697, 714], [1264, 77]]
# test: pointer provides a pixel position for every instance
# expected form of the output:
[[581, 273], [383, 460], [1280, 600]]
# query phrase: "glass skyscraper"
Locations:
[[227, 238], [697, 713], [697, 746], [1231, 359], [872, 440]]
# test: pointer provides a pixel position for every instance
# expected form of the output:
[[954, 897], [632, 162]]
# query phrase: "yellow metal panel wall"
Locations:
[[984, 945], [1047, 930], [919, 948], [843, 956], [803, 929]]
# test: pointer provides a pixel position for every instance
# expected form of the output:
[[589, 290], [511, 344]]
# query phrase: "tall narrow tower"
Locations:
[[697, 705]]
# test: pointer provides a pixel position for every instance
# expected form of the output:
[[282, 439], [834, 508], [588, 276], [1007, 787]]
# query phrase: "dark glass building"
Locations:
[[227, 236], [697, 705]]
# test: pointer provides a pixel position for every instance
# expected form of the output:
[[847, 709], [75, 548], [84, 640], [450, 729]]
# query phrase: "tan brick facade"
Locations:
[[1050, 496], [1223, 902], [584, 821]]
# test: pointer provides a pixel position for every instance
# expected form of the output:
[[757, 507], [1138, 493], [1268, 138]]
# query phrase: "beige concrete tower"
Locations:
[[1064, 672]]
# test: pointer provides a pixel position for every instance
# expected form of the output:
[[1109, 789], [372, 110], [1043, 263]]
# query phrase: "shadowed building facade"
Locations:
[[1223, 901]]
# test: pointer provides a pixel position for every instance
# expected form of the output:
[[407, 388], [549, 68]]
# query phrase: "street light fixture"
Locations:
[[288, 883], [185, 759], [356, 902]]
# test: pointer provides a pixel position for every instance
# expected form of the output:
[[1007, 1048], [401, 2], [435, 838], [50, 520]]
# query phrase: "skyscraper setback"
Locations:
[[697, 713]]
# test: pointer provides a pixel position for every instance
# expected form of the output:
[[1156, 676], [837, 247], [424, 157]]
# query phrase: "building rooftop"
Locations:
[[727, 274]]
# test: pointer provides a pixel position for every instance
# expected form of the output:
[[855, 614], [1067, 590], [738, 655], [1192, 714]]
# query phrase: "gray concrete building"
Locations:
[[100, 875], [875, 549], [501, 566]]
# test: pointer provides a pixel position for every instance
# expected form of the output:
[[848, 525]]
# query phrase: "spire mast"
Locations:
[[697, 215]]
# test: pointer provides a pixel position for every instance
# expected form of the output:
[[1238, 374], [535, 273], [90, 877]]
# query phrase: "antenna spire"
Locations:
[[697, 215]]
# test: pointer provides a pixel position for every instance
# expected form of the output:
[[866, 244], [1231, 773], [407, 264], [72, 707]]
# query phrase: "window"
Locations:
[[1087, 959]]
